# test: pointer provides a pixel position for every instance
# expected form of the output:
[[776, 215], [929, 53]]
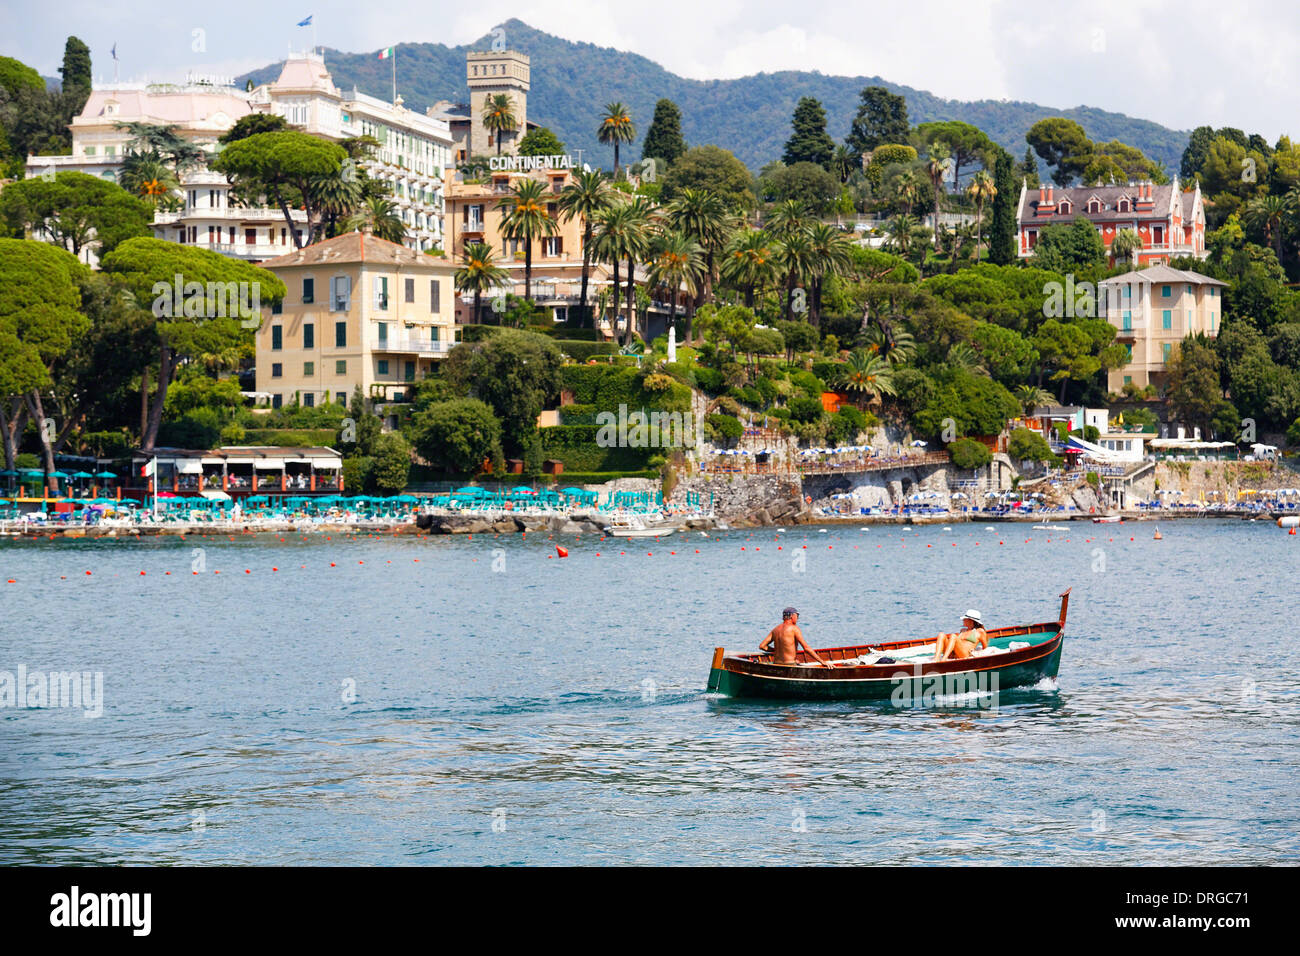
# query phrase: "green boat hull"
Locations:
[[900, 687]]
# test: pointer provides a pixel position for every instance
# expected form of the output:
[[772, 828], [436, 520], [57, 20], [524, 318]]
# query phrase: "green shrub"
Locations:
[[805, 409], [1027, 445], [290, 437], [1093, 479], [477, 333], [766, 389], [580, 351], [968, 453], [709, 380], [809, 382], [721, 429], [826, 371]]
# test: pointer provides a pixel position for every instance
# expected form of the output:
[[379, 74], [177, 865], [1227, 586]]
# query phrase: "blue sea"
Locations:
[[444, 700]]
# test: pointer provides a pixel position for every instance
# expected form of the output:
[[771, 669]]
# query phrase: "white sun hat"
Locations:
[[975, 616]]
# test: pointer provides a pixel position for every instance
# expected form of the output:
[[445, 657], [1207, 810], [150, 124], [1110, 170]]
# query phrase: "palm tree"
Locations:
[[479, 273], [499, 116], [644, 219], [982, 190], [527, 219], [675, 260], [961, 355], [901, 232], [616, 226], [843, 163], [585, 198], [145, 174], [166, 141], [703, 216], [338, 197], [749, 262], [616, 127], [895, 346], [378, 217], [1267, 214], [868, 376], [1031, 397], [907, 190], [936, 168], [1125, 244], [830, 249], [798, 261]]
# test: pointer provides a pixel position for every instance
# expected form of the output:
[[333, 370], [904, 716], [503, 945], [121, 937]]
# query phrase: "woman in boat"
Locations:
[[962, 643]]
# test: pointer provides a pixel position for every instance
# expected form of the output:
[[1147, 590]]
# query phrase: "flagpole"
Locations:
[[394, 75]]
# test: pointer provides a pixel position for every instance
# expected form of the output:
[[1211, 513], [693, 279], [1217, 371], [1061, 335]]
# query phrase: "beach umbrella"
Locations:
[[104, 474], [33, 473], [918, 444], [59, 474], [82, 474]]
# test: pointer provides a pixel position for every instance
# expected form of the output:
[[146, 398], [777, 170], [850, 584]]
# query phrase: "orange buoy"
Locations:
[[561, 552], [1158, 535]]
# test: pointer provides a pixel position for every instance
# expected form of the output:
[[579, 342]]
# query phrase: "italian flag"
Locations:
[[385, 53]]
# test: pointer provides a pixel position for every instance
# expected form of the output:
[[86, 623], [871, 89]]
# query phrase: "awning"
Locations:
[[215, 495], [270, 465], [190, 467]]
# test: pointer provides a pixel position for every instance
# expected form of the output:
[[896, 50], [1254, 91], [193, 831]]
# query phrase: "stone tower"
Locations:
[[490, 73]]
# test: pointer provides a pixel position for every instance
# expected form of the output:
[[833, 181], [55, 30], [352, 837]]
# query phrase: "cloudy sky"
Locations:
[[1183, 63]]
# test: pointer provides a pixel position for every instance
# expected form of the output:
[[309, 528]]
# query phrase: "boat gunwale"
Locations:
[[753, 665]]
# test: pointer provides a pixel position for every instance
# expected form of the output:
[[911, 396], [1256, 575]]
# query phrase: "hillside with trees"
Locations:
[[749, 116]]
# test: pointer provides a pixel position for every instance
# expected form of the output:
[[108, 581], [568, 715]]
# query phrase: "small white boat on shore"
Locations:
[[636, 526]]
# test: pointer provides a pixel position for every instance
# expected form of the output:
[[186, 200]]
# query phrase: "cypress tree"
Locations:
[[76, 76], [1002, 234], [664, 140], [810, 143]]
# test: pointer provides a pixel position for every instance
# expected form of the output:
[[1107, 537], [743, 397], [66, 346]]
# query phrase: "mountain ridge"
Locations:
[[572, 80]]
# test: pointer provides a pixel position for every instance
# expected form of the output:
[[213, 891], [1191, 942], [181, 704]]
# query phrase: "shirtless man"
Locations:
[[781, 641], [961, 643]]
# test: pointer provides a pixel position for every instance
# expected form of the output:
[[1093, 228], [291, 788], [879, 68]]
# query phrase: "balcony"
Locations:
[[421, 345]]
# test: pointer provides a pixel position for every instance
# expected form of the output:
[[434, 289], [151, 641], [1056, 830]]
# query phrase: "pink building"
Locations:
[[1169, 220]]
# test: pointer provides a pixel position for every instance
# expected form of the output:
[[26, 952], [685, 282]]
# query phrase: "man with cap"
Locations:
[[961, 643], [784, 640]]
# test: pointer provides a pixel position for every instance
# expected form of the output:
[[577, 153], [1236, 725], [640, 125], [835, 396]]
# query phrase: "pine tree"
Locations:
[[1002, 234], [664, 140], [881, 118], [76, 76], [1027, 169], [810, 143]]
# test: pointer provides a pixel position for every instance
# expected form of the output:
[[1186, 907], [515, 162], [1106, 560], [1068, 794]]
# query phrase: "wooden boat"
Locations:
[[1019, 656], [1107, 519]]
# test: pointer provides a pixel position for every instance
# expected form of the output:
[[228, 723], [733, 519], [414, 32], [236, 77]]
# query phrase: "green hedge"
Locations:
[[575, 445], [580, 351], [290, 437], [607, 386], [477, 333]]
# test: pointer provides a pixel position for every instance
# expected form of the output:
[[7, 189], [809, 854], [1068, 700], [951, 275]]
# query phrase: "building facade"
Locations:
[[201, 112], [361, 315], [209, 219], [488, 74], [1169, 220], [414, 152], [1153, 310]]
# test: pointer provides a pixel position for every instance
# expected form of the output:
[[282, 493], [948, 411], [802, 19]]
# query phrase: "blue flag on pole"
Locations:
[[305, 23], [115, 51]]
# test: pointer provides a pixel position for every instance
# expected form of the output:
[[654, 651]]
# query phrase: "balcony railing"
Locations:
[[410, 343]]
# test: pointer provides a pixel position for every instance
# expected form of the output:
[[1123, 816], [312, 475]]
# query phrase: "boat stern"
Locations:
[[716, 672]]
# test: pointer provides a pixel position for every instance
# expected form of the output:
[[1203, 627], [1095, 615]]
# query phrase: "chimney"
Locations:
[[1042, 193], [1049, 194]]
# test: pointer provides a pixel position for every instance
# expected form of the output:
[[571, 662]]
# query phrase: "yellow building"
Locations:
[[1153, 310], [361, 314]]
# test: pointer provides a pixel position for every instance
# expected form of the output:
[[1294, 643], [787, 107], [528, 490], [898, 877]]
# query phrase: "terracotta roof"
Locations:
[[354, 247], [216, 109], [1163, 274]]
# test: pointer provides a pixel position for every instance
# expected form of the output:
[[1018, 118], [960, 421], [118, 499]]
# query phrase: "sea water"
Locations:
[[392, 700]]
